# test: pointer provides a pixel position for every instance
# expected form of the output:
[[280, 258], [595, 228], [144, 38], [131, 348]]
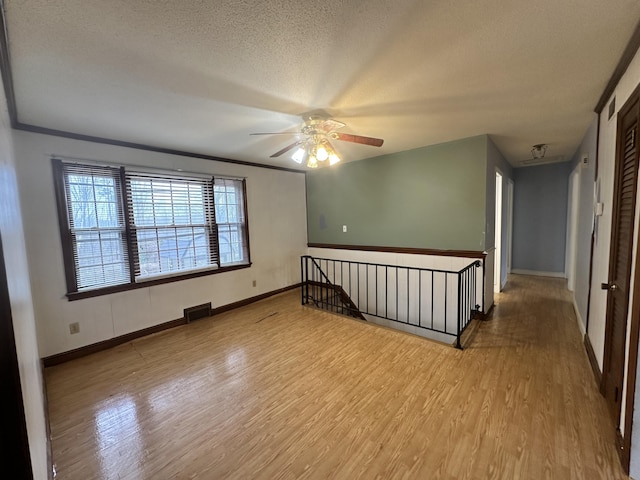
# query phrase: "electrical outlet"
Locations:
[[254, 283], [74, 328], [344, 229]]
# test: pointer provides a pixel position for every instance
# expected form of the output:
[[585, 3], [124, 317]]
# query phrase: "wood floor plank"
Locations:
[[275, 390]]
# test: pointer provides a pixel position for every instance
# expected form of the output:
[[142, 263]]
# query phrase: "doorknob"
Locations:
[[608, 286]]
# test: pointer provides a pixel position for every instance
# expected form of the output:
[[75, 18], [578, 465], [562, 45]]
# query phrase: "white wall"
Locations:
[[21, 301], [277, 229], [606, 167], [495, 160], [586, 177], [389, 258]]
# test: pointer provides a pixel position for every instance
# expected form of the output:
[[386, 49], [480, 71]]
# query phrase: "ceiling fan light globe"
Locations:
[[298, 156], [333, 159], [321, 153], [312, 162]]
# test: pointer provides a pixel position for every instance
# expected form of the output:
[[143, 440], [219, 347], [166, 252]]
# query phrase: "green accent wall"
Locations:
[[430, 197]]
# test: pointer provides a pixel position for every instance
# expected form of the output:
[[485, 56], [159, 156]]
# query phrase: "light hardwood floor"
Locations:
[[276, 390]]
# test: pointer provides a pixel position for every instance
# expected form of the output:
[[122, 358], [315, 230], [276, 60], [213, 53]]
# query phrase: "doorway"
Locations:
[[497, 270], [572, 228], [14, 445], [509, 223]]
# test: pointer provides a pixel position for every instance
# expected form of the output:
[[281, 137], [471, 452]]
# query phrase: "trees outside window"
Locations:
[[123, 227]]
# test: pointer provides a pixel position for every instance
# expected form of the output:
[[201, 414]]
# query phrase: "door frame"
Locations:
[[497, 236], [572, 227], [633, 337], [613, 253], [510, 189], [14, 443]]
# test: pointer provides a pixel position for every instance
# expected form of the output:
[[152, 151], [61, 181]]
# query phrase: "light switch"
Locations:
[[344, 229], [599, 209]]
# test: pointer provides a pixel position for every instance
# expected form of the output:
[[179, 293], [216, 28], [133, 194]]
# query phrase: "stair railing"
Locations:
[[413, 299], [320, 284]]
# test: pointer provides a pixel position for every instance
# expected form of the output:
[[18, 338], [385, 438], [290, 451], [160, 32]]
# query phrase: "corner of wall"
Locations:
[[21, 300]]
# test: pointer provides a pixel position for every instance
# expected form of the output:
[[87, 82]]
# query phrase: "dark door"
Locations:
[[14, 447], [624, 203]]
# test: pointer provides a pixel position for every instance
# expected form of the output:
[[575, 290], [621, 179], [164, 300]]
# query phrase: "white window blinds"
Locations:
[[172, 223], [96, 225]]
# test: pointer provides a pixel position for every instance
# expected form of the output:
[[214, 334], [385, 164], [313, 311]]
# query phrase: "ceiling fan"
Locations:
[[314, 144]]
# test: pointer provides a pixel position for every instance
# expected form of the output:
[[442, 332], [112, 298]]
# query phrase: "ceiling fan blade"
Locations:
[[276, 133], [347, 137], [285, 149], [329, 125]]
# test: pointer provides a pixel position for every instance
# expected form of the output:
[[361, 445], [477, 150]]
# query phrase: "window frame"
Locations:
[[133, 283], [156, 182], [240, 226]]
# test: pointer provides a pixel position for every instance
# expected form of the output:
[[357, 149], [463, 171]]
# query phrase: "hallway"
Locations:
[[277, 390]]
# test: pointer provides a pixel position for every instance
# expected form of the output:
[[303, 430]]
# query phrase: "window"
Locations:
[[229, 204], [121, 227], [96, 228], [172, 223]]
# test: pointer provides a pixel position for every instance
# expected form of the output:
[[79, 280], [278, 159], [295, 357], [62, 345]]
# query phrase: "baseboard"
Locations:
[[113, 342], [581, 326], [250, 300], [63, 357], [537, 273], [593, 361], [623, 453], [485, 316], [47, 424]]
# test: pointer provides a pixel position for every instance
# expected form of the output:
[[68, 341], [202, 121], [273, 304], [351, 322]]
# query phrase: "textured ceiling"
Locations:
[[200, 76]]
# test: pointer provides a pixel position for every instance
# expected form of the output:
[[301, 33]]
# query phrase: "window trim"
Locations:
[[67, 244]]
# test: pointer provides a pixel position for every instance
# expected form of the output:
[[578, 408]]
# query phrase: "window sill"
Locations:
[[169, 275], [152, 282]]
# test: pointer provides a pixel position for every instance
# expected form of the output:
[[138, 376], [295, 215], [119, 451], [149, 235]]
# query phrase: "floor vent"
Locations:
[[199, 311]]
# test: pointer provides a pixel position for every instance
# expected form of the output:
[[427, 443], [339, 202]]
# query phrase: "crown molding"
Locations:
[[625, 60]]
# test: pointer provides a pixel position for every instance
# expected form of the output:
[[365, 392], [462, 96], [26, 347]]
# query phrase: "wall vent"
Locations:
[[199, 311]]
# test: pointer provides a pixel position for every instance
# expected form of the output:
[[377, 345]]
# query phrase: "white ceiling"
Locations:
[[200, 76]]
